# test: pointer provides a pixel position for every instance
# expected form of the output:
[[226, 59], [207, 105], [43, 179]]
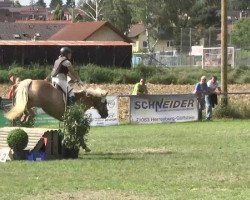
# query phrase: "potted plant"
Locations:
[[18, 140], [75, 130]]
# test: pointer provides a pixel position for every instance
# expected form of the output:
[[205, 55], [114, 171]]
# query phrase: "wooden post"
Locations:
[[224, 99]]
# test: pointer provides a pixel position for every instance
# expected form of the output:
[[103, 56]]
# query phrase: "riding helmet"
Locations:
[[64, 51]]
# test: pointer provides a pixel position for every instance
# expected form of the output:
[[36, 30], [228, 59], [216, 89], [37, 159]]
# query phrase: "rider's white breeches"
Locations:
[[61, 80]]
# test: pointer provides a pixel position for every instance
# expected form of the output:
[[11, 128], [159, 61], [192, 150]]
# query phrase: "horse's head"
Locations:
[[95, 98]]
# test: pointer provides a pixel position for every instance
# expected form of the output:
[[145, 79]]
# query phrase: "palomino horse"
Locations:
[[40, 93]]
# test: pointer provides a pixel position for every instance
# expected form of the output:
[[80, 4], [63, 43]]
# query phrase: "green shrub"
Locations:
[[129, 77], [76, 127], [4, 76], [163, 79], [25, 73], [184, 79], [145, 72], [234, 75], [244, 78], [14, 65], [226, 112], [94, 74], [37, 74], [97, 74], [17, 139]]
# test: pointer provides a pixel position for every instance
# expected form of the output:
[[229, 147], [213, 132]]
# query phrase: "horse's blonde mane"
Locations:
[[97, 92]]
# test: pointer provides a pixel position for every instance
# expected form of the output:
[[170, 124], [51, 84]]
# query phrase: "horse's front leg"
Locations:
[[24, 117], [30, 114]]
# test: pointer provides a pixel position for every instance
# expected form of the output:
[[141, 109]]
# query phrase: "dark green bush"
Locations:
[[244, 78], [76, 127], [128, 77], [234, 75], [95, 74], [163, 79], [226, 112], [17, 139], [234, 111], [4, 76], [145, 72], [25, 73]]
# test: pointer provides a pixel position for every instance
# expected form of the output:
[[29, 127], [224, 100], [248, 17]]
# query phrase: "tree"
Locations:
[[71, 3], [241, 34], [53, 4], [93, 9], [204, 17], [119, 13], [161, 17], [41, 3], [32, 2], [205, 14], [239, 4], [58, 13], [17, 4]]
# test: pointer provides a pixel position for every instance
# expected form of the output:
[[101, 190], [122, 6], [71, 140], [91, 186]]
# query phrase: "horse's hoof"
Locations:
[[23, 118]]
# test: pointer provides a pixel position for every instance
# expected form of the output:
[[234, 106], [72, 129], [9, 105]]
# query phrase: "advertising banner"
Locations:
[[163, 108], [41, 118], [112, 119]]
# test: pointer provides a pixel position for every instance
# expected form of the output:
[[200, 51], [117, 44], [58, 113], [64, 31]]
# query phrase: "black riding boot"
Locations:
[[71, 100]]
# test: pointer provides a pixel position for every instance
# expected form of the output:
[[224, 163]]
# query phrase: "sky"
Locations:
[[27, 2]]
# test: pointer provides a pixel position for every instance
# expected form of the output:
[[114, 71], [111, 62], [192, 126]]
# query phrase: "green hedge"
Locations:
[[96, 74], [17, 139]]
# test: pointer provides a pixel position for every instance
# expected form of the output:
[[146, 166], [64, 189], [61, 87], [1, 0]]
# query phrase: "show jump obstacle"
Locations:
[[40, 139]]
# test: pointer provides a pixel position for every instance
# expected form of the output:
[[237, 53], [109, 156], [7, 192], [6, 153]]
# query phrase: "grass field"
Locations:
[[198, 160]]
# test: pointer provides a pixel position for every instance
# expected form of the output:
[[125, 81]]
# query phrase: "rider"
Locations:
[[63, 68]]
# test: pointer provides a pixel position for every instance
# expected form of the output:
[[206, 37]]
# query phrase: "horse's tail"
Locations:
[[21, 100]]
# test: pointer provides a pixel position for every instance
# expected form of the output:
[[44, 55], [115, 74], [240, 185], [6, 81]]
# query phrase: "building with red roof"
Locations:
[[40, 41]]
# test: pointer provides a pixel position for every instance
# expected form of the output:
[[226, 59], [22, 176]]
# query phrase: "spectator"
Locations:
[[211, 98], [201, 90], [15, 81], [140, 88]]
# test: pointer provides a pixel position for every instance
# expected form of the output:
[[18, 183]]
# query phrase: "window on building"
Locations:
[[16, 36], [169, 43], [144, 44], [26, 35]]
